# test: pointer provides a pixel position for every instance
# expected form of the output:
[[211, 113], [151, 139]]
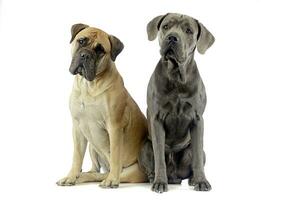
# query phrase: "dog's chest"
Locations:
[[89, 115], [178, 115], [87, 110]]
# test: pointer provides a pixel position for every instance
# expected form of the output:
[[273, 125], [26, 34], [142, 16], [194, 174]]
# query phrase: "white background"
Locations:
[[241, 72]]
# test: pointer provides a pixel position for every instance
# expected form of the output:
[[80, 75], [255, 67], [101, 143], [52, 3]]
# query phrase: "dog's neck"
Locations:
[[184, 81], [103, 81], [185, 69]]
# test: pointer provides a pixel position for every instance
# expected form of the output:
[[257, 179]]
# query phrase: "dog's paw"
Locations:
[[67, 181], [200, 184], [159, 187], [109, 183]]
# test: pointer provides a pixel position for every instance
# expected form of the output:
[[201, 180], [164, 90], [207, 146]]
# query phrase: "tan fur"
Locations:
[[105, 115]]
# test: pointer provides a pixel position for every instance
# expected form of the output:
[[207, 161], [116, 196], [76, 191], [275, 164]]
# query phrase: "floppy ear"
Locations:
[[116, 47], [153, 27], [75, 29], [205, 39]]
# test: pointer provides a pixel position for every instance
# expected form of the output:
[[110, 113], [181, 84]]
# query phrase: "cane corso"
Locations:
[[176, 101]]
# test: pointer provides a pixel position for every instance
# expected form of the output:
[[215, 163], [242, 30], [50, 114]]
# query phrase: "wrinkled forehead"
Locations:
[[180, 20], [95, 36]]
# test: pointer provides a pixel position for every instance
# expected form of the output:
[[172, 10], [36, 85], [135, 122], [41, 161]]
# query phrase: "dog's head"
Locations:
[[92, 50], [178, 36]]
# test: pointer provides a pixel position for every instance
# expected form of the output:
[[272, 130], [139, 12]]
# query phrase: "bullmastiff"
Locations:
[[176, 101], [104, 115]]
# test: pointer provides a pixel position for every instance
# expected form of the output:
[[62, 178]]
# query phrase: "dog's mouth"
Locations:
[[169, 53], [170, 56], [86, 69], [81, 70]]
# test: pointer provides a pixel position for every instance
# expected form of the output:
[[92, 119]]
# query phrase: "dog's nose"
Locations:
[[172, 38], [85, 55]]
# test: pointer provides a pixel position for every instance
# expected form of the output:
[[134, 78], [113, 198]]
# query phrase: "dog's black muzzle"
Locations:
[[170, 47], [83, 64]]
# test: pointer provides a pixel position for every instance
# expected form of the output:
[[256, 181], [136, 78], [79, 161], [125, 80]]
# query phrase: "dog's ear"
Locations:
[[116, 47], [153, 26], [75, 29], [205, 39]]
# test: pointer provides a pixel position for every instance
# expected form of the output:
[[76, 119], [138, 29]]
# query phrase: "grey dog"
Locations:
[[176, 101]]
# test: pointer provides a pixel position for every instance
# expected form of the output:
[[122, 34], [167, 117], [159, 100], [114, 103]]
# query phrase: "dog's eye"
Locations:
[[189, 31], [82, 41], [165, 27]]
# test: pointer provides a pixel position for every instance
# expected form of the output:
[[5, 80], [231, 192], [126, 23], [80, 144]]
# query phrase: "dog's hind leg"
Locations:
[[94, 174], [91, 177], [146, 160], [131, 174], [184, 157], [171, 164], [94, 157]]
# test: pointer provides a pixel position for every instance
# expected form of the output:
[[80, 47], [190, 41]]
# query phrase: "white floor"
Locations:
[[241, 72]]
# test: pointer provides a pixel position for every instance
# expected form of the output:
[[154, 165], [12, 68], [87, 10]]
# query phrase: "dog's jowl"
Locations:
[[104, 115], [176, 101]]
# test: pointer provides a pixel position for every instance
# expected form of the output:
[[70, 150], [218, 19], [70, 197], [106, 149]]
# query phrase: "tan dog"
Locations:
[[103, 112]]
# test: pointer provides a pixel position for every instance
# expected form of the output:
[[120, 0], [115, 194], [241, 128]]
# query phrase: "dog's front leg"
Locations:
[[198, 179], [116, 136], [80, 144], [160, 183]]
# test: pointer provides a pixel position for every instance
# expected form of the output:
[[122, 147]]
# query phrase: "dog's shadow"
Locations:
[[146, 186]]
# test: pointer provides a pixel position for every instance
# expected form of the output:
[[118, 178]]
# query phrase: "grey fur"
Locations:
[[153, 27], [176, 101]]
